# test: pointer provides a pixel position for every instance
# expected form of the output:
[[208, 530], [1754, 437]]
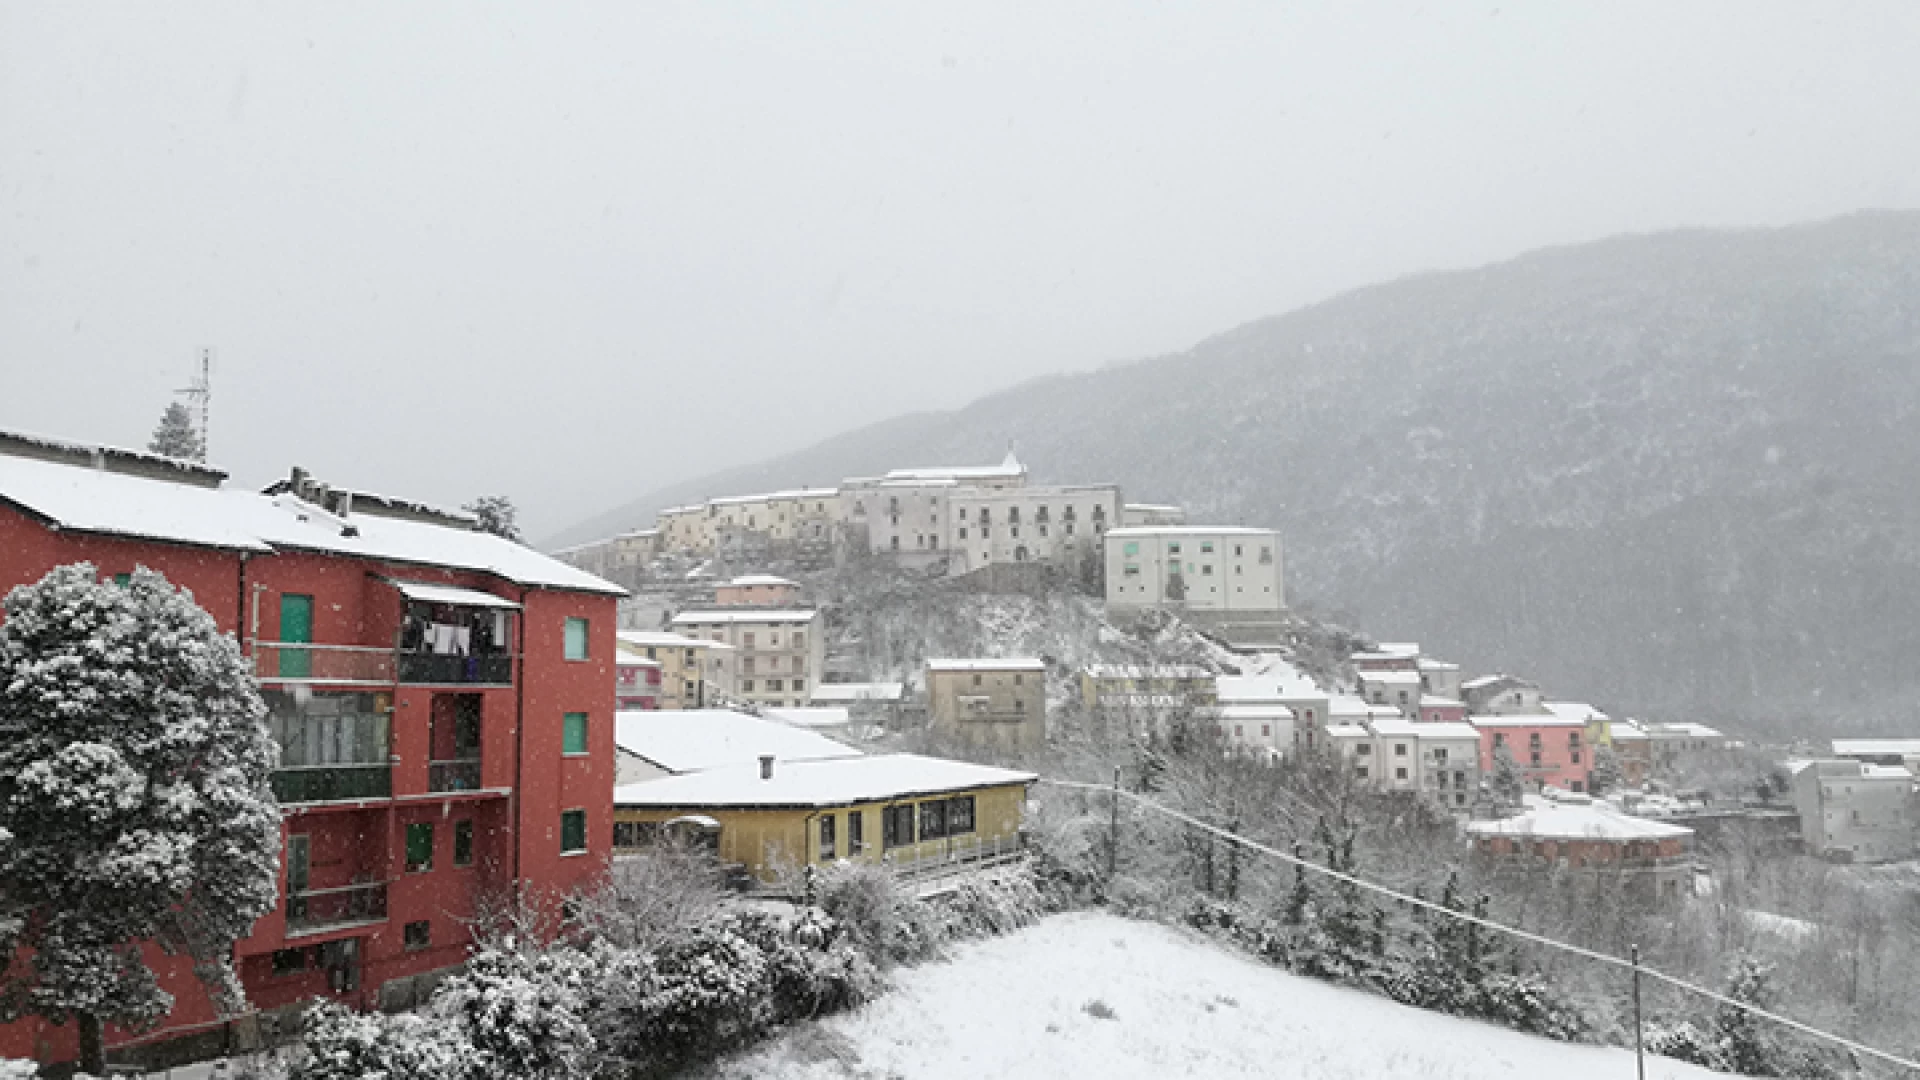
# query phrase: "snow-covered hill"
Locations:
[[1091, 995]]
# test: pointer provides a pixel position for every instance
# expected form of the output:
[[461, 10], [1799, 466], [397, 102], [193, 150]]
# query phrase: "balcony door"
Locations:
[[299, 864], [296, 627]]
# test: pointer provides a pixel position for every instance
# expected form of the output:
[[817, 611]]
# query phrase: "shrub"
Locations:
[[338, 1044]]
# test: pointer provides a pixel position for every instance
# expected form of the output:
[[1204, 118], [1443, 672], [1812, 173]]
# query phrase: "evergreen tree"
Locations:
[[133, 796], [1509, 787], [495, 514], [1606, 770], [1300, 900], [176, 436]]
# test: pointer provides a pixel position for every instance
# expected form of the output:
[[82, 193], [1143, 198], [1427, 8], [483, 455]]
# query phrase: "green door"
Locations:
[[296, 627]]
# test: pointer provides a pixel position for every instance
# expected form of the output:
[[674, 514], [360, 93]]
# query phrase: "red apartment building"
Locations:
[[443, 698]]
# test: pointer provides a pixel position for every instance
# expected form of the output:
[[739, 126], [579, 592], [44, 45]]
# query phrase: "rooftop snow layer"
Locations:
[[836, 782], [747, 615], [694, 740], [1577, 821], [1009, 664], [859, 691]]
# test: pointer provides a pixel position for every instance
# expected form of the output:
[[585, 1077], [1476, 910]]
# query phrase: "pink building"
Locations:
[[1435, 709], [757, 590], [636, 682], [1548, 749]]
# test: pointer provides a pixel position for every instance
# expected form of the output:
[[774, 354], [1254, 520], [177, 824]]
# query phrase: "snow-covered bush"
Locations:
[[709, 995], [338, 1044], [886, 925], [994, 902], [17, 1069], [523, 1011], [135, 767]]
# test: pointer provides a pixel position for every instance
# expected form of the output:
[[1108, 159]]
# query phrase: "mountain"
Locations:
[[1673, 474]]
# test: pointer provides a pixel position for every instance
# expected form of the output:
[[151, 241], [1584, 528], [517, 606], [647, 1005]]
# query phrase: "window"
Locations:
[[1399, 774], [1016, 678], [799, 639], [799, 685], [1173, 548], [573, 734], [775, 684], [576, 643], [573, 831], [1440, 754], [746, 686], [1266, 731], [1206, 547], [1206, 570], [122, 579], [419, 847], [1363, 748], [960, 815], [896, 826], [826, 837], [1360, 771], [418, 934], [463, 842], [856, 828], [746, 640], [1399, 749], [963, 532], [933, 819], [289, 961]]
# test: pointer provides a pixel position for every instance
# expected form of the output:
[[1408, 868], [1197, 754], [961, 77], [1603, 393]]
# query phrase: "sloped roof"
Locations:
[[836, 782], [695, 740], [80, 499], [1577, 821], [744, 615]]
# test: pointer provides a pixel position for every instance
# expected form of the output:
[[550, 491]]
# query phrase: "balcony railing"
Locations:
[[457, 774], [448, 669], [332, 783], [315, 910], [299, 662]]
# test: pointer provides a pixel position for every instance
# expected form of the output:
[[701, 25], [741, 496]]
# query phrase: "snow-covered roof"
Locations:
[[1435, 701], [1681, 729], [1148, 671], [1575, 710], [812, 716], [1272, 686], [1885, 772], [751, 615], [1437, 665], [89, 500], [1153, 508], [1485, 681], [837, 782], [1446, 731], [1256, 712], [644, 639], [449, 594], [1390, 677], [693, 740], [1876, 747], [1148, 531], [1540, 720], [1348, 731], [1348, 705], [1577, 821], [1008, 664], [750, 580], [627, 659], [859, 691]]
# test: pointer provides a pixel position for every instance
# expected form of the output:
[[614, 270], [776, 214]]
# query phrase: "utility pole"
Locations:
[[1639, 1049], [1113, 835], [199, 395]]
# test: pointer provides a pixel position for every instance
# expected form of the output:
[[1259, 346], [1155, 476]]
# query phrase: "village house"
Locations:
[[1901, 752], [1216, 569], [693, 671], [757, 590], [1591, 839], [865, 702], [776, 815], [1000, 703], [1851, 811], [1550, 750], [1501, 695], [443, 700], [778, 652], [1265, 730], [637, 681], [622, 559], [1155, 687], [1017, 525]]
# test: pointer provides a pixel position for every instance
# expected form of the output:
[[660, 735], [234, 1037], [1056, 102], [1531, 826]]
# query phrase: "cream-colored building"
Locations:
[[621, 559], [694, 672], [686, 529], [1388, 752], [1053, 524], [779, 653], [1194, 568], [989, 702]]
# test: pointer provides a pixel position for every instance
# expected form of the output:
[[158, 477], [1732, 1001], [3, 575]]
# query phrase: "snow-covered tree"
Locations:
[[524, 1012], [133, 796], [1606, 770], [496, 514], [1509, 786], [176, 436]]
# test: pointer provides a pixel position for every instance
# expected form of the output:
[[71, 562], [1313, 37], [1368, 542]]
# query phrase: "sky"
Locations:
[[574, 252]]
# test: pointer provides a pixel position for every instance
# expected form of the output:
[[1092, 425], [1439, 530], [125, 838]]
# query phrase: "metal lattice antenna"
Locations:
[[199, 395]]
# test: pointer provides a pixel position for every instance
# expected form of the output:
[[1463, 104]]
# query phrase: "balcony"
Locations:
[[457, 774], [452, 669], [315, 911], [332, 783], [302, 662]]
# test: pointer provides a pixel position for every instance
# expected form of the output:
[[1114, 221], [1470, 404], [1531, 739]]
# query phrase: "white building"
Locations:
[[1056, 524], [1256, 729], [1194, 568], [779, 653], [1902, 752], [1856, 812]]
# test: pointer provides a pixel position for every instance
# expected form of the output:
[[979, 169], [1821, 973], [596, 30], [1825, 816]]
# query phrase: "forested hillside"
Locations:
[[1672, 474]]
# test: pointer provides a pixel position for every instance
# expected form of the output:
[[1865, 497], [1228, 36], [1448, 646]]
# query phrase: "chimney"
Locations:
[[766, 766]]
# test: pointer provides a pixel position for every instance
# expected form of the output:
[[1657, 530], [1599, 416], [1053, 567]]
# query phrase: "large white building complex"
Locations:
[[1194, 568]]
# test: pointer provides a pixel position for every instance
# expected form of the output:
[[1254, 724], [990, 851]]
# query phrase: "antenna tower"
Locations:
[[199, 395]]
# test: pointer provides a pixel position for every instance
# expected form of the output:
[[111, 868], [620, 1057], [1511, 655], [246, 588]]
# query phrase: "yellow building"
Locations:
[[1148, 686], [900, 808]]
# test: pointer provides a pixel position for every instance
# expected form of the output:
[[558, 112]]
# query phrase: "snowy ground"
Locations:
[[1025, 1005]]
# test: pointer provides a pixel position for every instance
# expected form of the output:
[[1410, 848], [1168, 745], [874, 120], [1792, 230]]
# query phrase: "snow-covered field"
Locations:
[[1091, 995]]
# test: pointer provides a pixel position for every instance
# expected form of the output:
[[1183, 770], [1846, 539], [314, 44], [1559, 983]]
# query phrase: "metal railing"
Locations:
[[454, 774], [311, 911], [303, 662], [925, 865], [449, 669], [332, 783]]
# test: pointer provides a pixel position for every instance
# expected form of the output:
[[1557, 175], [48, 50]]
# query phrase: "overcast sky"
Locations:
[[574, 252]]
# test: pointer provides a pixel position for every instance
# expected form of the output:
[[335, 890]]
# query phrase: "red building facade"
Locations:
[[444, 702]]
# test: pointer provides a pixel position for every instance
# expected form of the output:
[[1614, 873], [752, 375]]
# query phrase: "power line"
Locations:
[[1511, 931]]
